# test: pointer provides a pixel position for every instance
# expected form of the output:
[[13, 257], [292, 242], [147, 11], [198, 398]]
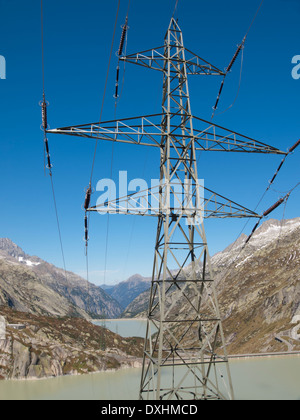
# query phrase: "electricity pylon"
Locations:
[[185, 354]]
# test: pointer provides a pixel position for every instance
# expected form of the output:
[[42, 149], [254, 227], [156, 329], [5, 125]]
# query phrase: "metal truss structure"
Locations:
[[148, 203], [148, 131], [185, 354]]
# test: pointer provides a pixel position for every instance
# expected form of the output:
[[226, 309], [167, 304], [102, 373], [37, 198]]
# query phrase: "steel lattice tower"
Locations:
[[185, 354], [180, 242]]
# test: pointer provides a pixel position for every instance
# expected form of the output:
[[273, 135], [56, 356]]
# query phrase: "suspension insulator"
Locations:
[[49, 166], [253, 231], [47, 146], [123, 37], [219, 96], [294, 147], [274, 207], [281, 164], [118, 74], [87, 198], [276, 173], [273, 179], [236, 55], [44, 106], [86, 230], [117, 83]]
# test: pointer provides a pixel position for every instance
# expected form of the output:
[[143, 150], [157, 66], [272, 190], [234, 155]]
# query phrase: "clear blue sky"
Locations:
[[77, 42]]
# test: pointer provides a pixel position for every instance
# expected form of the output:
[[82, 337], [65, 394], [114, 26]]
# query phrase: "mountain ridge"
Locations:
[[126, 291], [258, 288], [30, 284]]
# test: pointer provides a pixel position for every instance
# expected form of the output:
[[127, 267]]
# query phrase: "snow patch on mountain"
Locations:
[[274, 230], [28, 262], [270, 231]]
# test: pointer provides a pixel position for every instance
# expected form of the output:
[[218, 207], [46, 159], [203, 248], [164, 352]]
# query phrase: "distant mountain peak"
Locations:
[[136, 278], [11, 249], [126, 291], [6, 243], [51, 290]]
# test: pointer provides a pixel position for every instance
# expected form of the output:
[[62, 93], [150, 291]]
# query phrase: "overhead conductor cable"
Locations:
[[281, 200], [291, 150], [86, 206], [44, 105], [89, 190], [239, 49]]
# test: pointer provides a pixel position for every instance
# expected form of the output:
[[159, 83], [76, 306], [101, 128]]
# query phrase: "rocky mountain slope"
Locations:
[[29, 284], [258, 288], [138, 307], [126, 291], [48, 347]]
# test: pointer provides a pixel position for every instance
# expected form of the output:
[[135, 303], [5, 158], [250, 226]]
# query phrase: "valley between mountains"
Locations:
[[258, 289]]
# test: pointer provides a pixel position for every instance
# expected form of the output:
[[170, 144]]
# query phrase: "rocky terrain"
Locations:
[[138, 307], [47, 312], [29, 284], [126, 291], [48, 347], [258, 289]]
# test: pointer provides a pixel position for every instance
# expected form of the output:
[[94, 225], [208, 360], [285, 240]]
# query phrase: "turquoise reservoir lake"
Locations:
[[266, 378]]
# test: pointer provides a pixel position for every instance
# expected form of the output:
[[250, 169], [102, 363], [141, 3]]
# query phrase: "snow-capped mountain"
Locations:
[[271, 232], [259, 288], [10, 249]]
